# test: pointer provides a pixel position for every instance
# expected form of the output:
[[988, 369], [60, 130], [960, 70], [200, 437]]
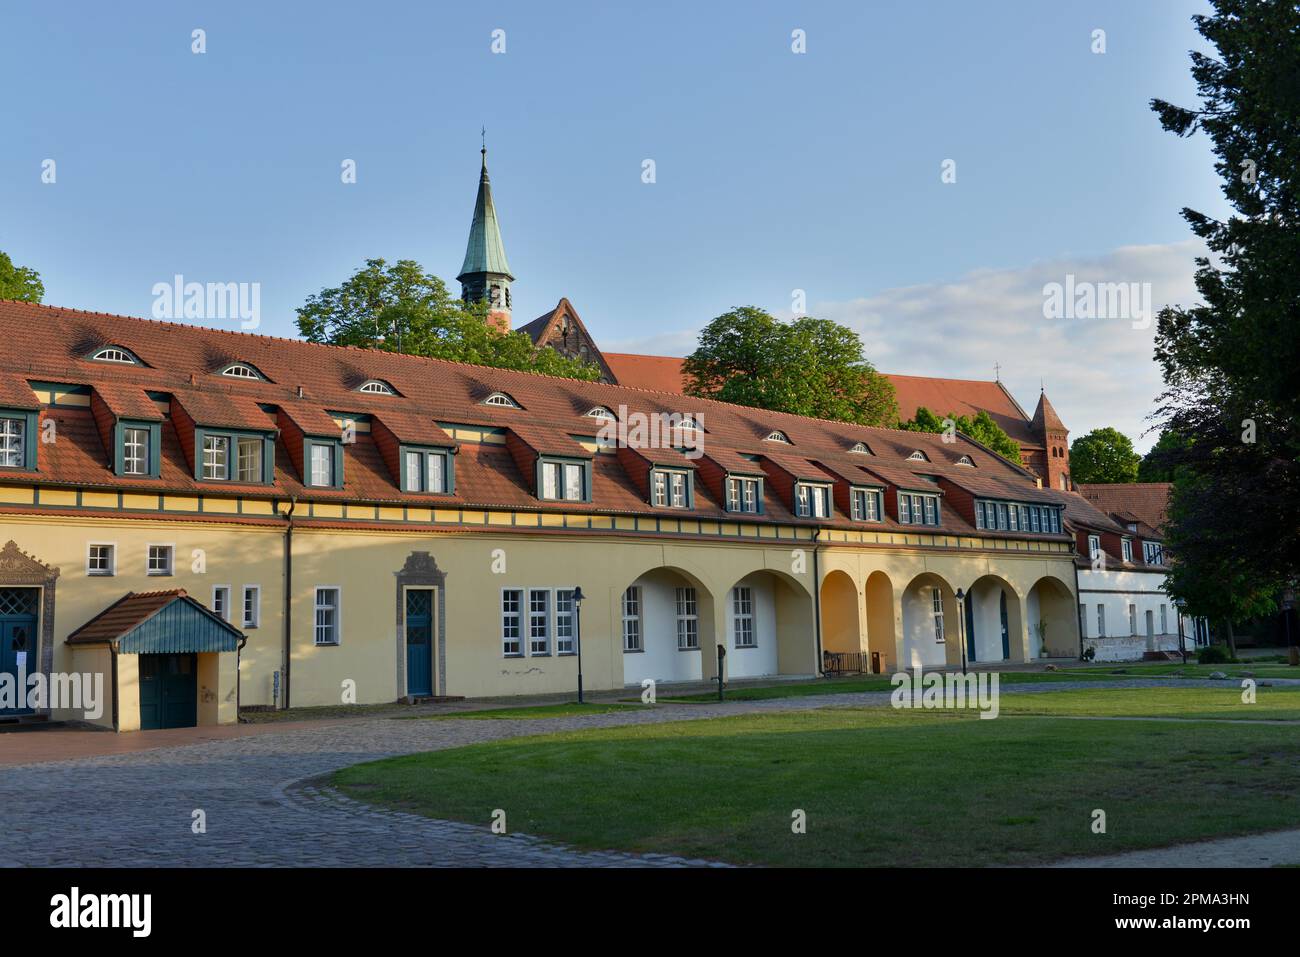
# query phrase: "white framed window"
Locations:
[[322, 464], [501, 399], [327, 615], [866, 505], [1101, 621], [511, 629], [1036, 518], [539, 621], [565, 614], [221, 601], [1013, 518], [677, 484], [101, 559], [242, 370], [632, 619], [936, 609], [966, 460], [248, 459], [777, 436], [860, 448], [13, 442], [1164, 620], [904, 509], [426, 471], [115, 354], [931, 510], [812, 501], [135, 451], [742, 495], [562, 481], [1153, 553], [377, 387], [742, 608], [688, 620], [1132, 619], [918, 456], [216, 457], [661, 489], [159, 561], [414, 472], [1094, 546], [252, 606], [600, 412], [1126, 549]]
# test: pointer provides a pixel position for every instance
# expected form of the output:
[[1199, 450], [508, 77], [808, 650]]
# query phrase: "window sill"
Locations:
[[633, 651], [322, 644]]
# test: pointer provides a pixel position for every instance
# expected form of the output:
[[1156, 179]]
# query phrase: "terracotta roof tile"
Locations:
[[15, 393], [122, 616], [1149, 501]]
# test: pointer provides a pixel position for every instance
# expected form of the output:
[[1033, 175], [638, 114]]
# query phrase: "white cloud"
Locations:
[[1097, 372]]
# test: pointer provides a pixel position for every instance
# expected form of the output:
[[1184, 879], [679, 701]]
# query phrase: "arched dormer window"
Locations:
[[918, 456], [503, 400], [777, 436], [115, 354], [242, 370], [600, 412], [966, 460], [377, 387], [861, 448]]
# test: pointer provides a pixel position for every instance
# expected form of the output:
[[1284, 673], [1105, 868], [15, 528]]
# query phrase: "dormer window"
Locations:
[[503, 400], [812, 501], [670, 489], [564, 481], [918, 456], [242, 370], [1126, 549], [377, 387], [777, 436], [966, 461], [600, 412], [866, 504], [116, 354], [861, 448], [918, 509]]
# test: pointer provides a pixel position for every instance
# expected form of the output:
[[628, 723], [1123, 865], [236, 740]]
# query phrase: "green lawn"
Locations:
[[1192, 670], [879, 786], [533, 712], [1217, 703], [797, 689]]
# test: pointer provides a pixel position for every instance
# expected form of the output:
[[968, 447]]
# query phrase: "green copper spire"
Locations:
[[485, 254]]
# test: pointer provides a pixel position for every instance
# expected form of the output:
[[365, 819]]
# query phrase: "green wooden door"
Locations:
[[18, 643], [168, 691], [419, 642]]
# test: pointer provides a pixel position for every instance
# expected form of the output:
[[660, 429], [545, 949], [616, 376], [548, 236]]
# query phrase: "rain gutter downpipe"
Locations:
[[817, 602], [288, 594]]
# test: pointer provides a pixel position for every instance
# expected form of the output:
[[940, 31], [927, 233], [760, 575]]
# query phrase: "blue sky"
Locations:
[[775, 171]]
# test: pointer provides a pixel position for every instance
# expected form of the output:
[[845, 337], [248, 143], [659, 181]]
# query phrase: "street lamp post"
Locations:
[[1288, 602], [1179, 605], [578, 596], [961, 626]]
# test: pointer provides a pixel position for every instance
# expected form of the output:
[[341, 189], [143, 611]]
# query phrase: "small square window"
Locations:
[[99, 560], [160, 560]]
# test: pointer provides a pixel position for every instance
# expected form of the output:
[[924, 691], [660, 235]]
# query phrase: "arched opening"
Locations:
[[667, 620], [768, 628], [1053, 620], [880, 619], [841, 630], [930, 627], [995, 625]]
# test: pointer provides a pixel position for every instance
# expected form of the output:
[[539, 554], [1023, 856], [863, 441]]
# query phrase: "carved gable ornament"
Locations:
[[19, 568]]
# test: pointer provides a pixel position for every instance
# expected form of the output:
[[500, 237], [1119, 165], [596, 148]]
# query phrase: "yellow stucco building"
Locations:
[[212, 520]]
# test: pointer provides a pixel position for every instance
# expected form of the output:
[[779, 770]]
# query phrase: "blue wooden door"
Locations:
[[970, 628], [18, 644], [419, 642], [1006, 635], [168, 691]]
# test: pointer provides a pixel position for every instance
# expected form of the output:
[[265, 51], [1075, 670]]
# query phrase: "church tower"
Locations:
[[485, 273], [1051, 431]]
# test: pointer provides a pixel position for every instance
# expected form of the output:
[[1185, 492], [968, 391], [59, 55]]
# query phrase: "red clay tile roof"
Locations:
[[654, 373], [181, 358], [413, 428], [128, 612], [15, 393], [128, 402], [1149, 501]]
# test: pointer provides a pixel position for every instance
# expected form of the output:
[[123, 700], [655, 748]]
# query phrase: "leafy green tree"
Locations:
[[401, 308], [1156, 464], [19, 282], [1103, 456], [1230, 361], [810, 366], [981, 428]]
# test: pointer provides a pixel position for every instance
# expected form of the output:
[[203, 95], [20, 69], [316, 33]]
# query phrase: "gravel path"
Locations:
[[261, 806]]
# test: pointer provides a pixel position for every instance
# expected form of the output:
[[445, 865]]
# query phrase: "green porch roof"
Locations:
[[160, 622], [485, 252]]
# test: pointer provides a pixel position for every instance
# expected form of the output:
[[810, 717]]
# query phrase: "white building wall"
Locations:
[[661, 660], [1116, 590], [920, 650], [754, 662], [1033, 615]]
